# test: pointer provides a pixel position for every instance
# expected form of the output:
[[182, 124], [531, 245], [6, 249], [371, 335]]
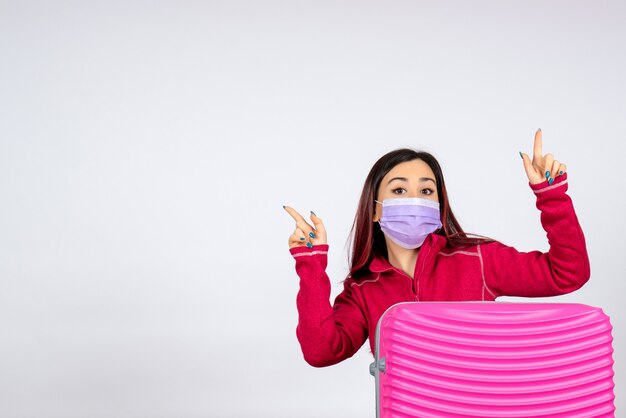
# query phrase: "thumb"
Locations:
[[320, 230], [533, 176], [528, 165], [317, 222]]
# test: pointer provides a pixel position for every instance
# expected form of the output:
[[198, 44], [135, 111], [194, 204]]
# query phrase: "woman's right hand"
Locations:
[[541, 167], [305, 234]]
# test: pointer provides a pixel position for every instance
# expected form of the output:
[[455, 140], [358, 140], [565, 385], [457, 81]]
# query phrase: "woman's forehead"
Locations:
[[411, 169]]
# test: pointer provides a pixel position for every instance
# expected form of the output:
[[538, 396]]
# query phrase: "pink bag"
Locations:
[[493, 359]]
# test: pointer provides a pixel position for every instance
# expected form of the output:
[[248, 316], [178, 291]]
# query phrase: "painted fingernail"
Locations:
[[550, 180], [308, 244], [283, 206], [313, 213], [311, 234], [560, 172], [301, 238], [539, 129], [547, 174], [520, 154]]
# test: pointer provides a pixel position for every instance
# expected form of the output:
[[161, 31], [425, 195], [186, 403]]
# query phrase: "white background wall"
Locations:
[[147, 148]]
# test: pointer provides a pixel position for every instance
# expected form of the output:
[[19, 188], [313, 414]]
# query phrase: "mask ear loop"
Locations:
[[381, 215]]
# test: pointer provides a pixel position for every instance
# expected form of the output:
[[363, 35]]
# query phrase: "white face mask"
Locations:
[[407, 221]]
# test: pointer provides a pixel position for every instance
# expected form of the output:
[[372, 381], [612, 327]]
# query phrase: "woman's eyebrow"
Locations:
[[406, 180]]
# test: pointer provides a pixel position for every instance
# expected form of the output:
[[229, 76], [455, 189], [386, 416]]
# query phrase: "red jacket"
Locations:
[[329, 334]]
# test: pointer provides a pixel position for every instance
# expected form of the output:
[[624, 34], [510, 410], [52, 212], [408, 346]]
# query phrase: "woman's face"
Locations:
[[409, 179]]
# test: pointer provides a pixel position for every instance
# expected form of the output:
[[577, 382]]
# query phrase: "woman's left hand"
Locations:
[[542, 167]]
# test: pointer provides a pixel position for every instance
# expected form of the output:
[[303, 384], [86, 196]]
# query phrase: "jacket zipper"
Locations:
[[405, 275], [426, 259]]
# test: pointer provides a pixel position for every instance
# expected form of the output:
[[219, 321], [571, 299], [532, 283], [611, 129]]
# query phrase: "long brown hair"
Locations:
[[368, 239]]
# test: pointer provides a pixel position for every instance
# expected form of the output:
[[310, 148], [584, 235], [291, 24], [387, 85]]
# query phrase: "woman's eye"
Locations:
[[427, 191], [396, 190]]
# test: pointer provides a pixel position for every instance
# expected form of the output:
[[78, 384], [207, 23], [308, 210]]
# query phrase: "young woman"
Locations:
[[408, 246]]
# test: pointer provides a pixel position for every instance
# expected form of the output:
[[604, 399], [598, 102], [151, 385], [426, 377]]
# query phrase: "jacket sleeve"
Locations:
[[327, 334], [563, 269]]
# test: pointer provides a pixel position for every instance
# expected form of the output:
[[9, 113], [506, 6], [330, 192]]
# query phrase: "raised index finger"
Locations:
[[538, 145], [300, 222]]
